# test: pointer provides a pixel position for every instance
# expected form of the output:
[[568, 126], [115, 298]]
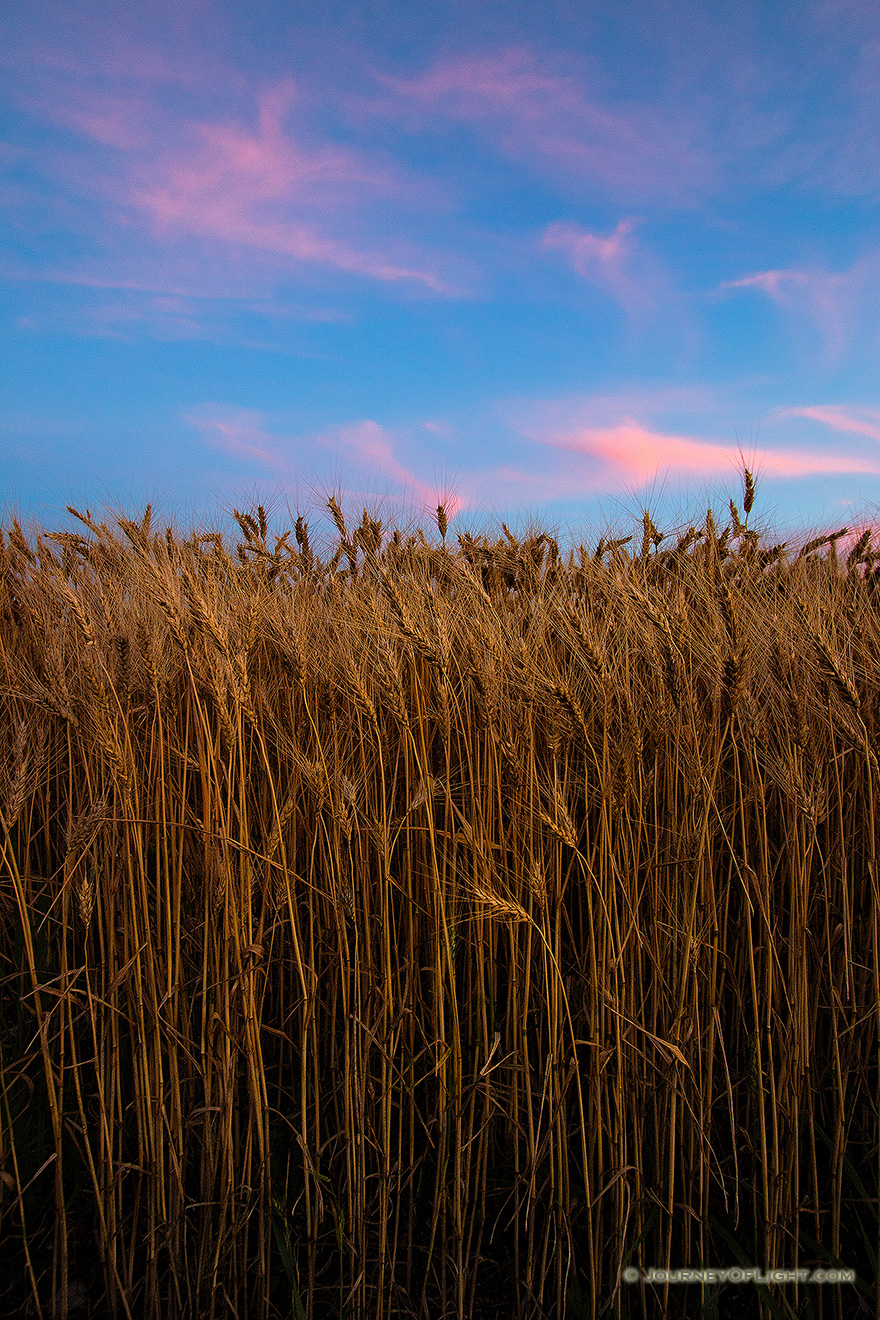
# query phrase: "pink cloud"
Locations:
[[260, 187], [537, 418], [833, 300], [471, 85], [124, 121], [439, 428], [838, 419], [167, 318], [243, 432], [373, 446], [166, 285], [117, 40], [533, 109], [828, 296], [771, 282], [603, 260], [639, 450], [590, 252], [236, 431], [238, 186], [539, 487], [168, 310], [218, 161]]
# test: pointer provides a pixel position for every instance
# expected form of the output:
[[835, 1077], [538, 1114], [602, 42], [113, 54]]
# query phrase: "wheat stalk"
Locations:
[[732, 681], [216, 1033], [833, 670], [203, 618], [22, 780]]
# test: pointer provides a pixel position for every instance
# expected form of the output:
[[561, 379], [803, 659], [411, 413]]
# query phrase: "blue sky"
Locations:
[[553, 263]]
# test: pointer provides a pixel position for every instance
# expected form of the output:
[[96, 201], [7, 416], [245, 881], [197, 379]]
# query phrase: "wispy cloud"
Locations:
[[619, 432], [261, 189], [373, 447], [127, 121], [835, 301], [162, 44], [639, 452], [771, 282], [366, 446], [848, 34], [611, 262], [171, 287], [129, 310], [531, 108], [536, 418], [840, 418], [237, 431]]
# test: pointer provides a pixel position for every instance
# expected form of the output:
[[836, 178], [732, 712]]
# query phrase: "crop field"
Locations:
[[437, 926]]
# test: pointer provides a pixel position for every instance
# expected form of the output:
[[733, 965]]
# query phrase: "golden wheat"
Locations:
[[380, 941]]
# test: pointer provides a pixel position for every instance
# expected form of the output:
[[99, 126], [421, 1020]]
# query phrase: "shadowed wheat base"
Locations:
[[435, 933]]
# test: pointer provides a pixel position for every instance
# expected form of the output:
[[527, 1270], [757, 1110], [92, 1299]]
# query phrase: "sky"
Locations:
[[549, 264]]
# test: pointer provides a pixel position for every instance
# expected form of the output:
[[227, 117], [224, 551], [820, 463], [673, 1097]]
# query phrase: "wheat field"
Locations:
[[436, 929]]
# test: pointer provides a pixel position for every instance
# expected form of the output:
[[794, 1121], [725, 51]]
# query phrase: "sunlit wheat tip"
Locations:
[[749, 496]]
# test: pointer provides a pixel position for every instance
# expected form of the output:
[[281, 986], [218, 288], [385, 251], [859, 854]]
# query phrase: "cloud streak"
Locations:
[[237, 431], [262, 188], [244, 433], [838, 419], [612, 262], [531, 109], [628, 446], [835, 301], [640, 452], [254, 188]]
